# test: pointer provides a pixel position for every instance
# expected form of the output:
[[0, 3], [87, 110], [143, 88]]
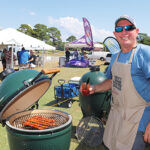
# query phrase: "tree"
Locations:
[[26, 29], [71, 38], [40, 32], [60, 45], [143, 38], [51, 36], [54, 35]]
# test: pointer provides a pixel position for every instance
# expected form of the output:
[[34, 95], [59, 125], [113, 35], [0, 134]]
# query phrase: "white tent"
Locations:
[[12, 37]]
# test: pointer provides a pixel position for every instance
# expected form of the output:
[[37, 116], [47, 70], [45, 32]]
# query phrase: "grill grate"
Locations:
[[39, 121], [90, 131]]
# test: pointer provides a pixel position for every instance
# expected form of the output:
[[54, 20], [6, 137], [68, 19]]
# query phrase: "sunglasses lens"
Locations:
[[129, 28], [118, 29]]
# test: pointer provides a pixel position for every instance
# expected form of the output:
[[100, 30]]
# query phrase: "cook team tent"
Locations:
[[81, 43], [11, 36]]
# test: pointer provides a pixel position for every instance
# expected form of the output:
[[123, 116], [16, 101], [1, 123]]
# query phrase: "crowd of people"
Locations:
[[26, 59], [76, 54]]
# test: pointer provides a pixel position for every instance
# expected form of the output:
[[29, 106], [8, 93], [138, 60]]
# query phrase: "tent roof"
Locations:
[[11, 36], [80, 43]]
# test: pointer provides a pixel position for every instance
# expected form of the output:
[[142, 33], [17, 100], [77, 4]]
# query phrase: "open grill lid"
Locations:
[[21, 89]]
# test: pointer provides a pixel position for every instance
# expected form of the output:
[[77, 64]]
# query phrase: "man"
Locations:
[[128, 124], [8, 57], [24, 58], [67, 55], [32, 60], [75, 54], [3, 57]]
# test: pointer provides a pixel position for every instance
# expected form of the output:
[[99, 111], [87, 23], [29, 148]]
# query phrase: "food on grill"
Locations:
[[39, 122]]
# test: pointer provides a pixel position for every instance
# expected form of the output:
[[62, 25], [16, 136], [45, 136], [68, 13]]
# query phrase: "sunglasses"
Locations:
[[127, 28]]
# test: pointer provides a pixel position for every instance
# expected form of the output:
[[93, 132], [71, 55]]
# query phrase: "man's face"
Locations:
[[126, 38]]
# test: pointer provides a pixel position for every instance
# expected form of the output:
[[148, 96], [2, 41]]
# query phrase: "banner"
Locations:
[[88, 32]]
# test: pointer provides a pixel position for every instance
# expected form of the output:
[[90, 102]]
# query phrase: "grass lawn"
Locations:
[[48, 102]]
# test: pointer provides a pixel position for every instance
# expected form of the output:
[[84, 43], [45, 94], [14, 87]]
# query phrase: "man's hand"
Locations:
[[102, 87], [86, 89], [147, 134]]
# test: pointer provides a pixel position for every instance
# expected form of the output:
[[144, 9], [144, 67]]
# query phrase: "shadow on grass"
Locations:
[[64, 103], [51, 103]]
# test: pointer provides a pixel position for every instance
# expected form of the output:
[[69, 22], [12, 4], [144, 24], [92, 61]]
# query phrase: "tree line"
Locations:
[[52, 36], [143, 38]]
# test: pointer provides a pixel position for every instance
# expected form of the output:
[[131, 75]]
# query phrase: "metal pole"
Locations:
[[12, 61], [43, 58]]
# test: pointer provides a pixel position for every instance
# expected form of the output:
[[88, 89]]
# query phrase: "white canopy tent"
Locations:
[[11, 36]]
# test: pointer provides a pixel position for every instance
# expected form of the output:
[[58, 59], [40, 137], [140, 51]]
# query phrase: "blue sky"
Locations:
[[67, 15]]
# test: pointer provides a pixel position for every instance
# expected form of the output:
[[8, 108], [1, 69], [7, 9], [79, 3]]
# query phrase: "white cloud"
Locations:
[[69, 25], [100, 34], [31, 13], [72, 26], [1, 28]]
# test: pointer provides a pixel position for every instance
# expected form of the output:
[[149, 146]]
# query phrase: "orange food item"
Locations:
[[39, 122]]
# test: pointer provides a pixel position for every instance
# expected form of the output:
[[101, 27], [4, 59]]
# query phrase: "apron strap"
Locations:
[[133, 51]]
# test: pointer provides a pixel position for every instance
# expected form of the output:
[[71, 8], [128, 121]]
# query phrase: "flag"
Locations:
[[88, 32]]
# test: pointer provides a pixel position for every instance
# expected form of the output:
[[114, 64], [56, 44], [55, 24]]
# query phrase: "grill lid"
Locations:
[[21, 89]]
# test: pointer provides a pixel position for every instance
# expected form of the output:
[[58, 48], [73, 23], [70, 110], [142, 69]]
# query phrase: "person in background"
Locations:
[[128, 75], [83, 53], [75, 54], [8, 57], [24, 58], [32, 59], [3, 58], [67, 53], [18, 54]]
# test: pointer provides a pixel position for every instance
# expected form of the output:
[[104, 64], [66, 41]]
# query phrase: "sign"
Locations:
[[88, 32]]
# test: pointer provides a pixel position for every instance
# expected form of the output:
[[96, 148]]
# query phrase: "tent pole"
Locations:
[[43, 58], [12, 64]]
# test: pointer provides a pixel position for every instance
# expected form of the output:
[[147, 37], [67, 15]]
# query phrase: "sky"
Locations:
[[66, 15]]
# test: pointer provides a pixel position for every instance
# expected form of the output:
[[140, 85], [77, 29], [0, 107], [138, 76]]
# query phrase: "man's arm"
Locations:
[[102, 87]]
